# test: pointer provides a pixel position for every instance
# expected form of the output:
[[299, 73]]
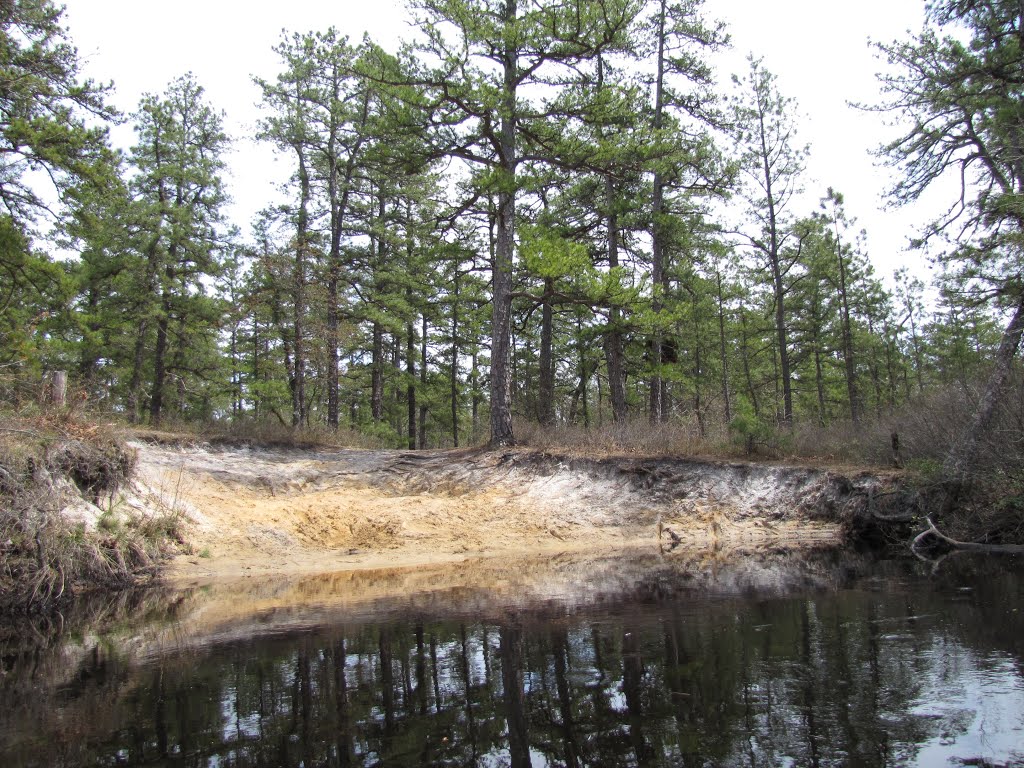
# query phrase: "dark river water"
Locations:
[[771, 660]]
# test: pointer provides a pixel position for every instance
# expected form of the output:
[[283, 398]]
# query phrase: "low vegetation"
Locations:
[[65, 524], [271, 434]]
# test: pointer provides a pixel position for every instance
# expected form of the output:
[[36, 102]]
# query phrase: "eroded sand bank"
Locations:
[[261, 511]]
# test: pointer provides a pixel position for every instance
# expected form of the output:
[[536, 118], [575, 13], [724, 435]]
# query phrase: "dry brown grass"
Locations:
[[635, 437], [247, 432], [927, 427]]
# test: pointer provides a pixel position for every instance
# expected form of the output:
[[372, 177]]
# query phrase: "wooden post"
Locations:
[[55, 388]]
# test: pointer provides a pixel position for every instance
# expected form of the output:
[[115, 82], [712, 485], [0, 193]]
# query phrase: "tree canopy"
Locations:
[[533, 212], [960, 87]]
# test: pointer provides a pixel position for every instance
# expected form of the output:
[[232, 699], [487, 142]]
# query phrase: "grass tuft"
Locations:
[[50, 463]]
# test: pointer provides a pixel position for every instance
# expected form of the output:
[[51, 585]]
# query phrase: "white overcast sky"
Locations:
[[817, 48]]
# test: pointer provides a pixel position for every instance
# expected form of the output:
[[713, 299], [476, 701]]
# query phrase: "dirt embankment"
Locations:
[[290, 510]]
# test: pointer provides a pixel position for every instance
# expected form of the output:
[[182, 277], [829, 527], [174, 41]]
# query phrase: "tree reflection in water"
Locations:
[[889, 671]]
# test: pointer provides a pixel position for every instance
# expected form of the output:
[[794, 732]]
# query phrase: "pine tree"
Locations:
[[683, 108], [179, 160], [52, 127], [48, 113], [773, 163], [488, 54], [959, 87]]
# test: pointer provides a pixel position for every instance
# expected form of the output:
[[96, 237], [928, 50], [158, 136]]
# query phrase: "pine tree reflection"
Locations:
[[512, 695], [825, 678]]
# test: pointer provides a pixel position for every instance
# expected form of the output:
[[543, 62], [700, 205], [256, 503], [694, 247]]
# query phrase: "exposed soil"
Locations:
[[259, 511]]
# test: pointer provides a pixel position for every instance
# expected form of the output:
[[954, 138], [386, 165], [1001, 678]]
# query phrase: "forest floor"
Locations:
[[259, 511]]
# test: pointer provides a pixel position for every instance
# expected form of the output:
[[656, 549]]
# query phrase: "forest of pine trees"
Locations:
[[536, 212]]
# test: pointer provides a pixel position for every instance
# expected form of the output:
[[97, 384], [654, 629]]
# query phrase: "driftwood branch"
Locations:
[[970, 546], [895, 517]]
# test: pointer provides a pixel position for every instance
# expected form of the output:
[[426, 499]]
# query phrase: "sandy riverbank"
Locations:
[[277, 511]]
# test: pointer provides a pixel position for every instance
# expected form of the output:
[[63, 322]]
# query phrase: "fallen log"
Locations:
[[971, 546]]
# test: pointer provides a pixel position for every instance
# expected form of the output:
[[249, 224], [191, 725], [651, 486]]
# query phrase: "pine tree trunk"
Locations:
[[257, 404], [726, 398], [876, 376], [156, 400], [780, 329], [778, 286], [333, 358], [546, 388], [698, 372], [422, 440], [958, 466], [501, 270], [454, 373], [501, 322], [88, 355], [338, 199], [656, 407], [377, 381], [236, 375], [474, 388], [410, 392], [819, 382], [613, 335], [745, 357], [299, 295], [848, 360], [890, 365], [135, 383], [918, 367]]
